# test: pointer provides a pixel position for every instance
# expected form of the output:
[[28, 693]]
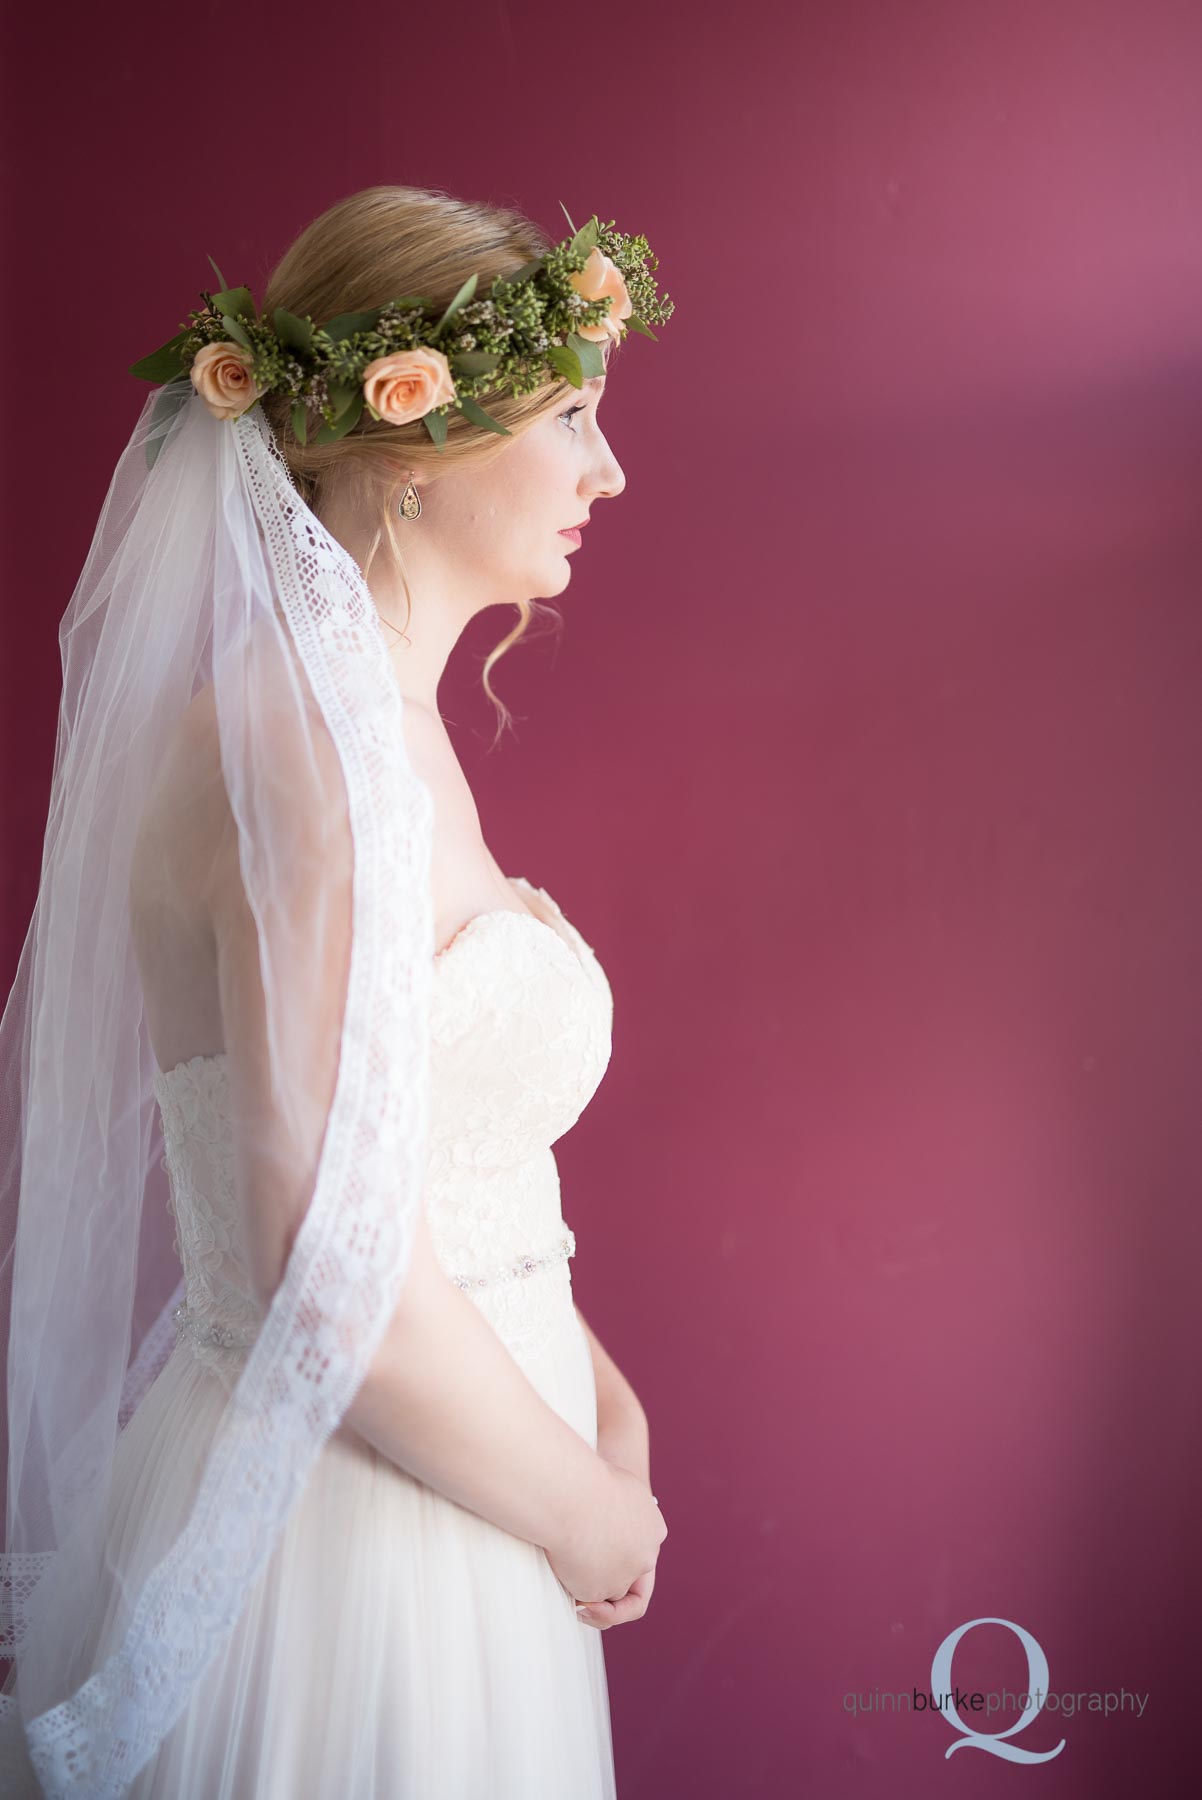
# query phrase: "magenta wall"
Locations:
[[868, 761]]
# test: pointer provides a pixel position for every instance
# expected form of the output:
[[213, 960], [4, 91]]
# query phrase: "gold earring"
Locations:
[[410, 505]]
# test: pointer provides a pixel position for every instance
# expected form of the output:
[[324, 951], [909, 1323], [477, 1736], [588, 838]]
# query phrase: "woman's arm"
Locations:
[[623, 1439], [623, 1434], [442, 1397]]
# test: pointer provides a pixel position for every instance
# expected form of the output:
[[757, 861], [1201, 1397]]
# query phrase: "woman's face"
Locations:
[[503, 525]]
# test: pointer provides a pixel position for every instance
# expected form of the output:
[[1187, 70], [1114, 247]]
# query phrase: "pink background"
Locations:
[[868, 761]]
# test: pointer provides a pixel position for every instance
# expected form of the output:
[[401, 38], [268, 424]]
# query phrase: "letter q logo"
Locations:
[[1037, 1682]]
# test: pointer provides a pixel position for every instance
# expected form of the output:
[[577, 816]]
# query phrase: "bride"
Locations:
[[318, 1481]]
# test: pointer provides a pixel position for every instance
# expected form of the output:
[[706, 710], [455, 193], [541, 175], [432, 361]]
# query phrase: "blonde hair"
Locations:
[[361, 252]]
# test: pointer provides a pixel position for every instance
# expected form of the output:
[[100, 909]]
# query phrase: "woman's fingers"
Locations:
[[632, 1605], [604, 1613]]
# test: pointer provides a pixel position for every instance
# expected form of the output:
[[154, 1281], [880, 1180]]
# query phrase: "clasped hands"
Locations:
[[622, 1440]]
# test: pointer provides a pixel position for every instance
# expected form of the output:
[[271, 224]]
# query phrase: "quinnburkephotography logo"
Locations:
[[946, 1699]]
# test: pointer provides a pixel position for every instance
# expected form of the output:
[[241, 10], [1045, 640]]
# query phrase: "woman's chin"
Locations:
[[558, 580]]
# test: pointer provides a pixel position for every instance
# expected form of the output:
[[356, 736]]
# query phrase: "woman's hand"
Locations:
[[623, 1440], [600, 1556], [632, 1605]]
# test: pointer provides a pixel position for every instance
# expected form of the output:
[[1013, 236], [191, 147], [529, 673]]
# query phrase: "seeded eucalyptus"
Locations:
[[411, 359]]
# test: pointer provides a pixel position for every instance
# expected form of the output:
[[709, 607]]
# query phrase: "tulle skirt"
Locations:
[[395, 1647]]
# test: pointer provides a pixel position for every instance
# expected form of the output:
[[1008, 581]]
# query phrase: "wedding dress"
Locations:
[[383, 1600]]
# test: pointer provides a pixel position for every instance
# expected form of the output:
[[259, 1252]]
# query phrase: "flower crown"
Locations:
[[411, 360]]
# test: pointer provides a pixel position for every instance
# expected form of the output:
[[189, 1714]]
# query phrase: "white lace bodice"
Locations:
[[521, 1020]]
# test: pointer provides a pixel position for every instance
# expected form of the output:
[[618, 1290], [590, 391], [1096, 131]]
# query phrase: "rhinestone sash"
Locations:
[[230, 1337]]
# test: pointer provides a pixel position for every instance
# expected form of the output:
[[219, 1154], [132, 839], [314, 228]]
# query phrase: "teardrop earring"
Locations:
[[410, 504]]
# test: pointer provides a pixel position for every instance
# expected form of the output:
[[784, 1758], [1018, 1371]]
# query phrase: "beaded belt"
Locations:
[[525, 1265], [241, 1337]]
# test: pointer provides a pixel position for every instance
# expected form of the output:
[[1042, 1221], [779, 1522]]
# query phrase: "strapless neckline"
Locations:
[[516, 912], [472, 930]]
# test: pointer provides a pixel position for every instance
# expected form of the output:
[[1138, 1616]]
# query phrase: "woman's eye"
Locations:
[[571, 410]]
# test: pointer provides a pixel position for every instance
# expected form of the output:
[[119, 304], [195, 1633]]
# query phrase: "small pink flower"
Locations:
[[221, 375], [601, 276], [404, 386]]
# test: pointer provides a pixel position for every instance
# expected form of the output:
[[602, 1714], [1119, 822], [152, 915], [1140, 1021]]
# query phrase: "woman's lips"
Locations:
[[574, 534]]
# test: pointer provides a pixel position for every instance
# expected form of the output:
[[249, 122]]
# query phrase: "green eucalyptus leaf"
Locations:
[[346, 324], [567, 215], [586, 238], [436, 424], [236, 331], [343, 394], [461, 299], [474, 362], [163, 364], [472, 410], [329, 434], [588, 354], [219, 275], [634, 323], [300, 422], [293, 333], [237, 301], [565, 359], [407, 302], [353, 413]]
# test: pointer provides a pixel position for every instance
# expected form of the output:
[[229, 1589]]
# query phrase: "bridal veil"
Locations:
[[215, 624]]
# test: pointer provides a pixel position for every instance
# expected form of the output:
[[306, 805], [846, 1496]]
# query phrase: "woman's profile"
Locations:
[[312, 1455]]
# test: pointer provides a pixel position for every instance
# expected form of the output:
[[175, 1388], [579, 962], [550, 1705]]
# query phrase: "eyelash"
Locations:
[[581, 407]]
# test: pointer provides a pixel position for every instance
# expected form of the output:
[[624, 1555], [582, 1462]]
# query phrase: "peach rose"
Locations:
[[601, 276], [221, 375], [405, 385]]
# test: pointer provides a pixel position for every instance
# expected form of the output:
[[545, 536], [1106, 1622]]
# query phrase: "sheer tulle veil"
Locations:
[[219, 632]]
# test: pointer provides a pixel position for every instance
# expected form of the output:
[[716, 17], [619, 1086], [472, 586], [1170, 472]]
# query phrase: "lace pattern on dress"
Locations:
[[521, 1031]]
